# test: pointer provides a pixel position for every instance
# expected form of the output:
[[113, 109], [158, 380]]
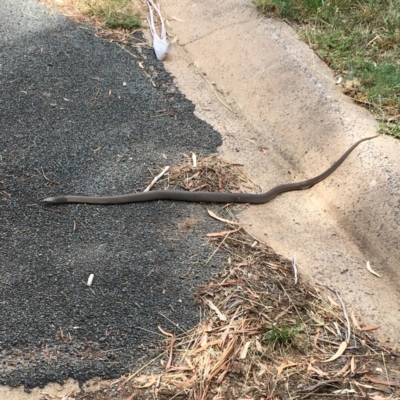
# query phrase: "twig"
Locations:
[[171, 353], [171, 347], [123, 48], [156, 179], [147, 330], [348, 333], [216, 94], [172, 322], [49, 180], [144, 366], [151, 79], [84, 227], [218, 247]]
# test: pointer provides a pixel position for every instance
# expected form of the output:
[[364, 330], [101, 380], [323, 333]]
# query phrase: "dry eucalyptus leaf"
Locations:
[[370, 328], [285, 366], [340, 351], [212, 214], [371, 270], [221, 316], [245, 349], [223, 233]]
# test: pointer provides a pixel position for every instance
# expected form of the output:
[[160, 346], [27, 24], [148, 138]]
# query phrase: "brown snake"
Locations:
[[211, 197]]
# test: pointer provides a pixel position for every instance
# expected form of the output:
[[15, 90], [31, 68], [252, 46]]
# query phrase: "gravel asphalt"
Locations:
[[78, 115]]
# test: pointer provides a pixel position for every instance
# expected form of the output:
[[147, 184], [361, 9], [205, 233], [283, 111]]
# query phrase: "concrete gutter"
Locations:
[[288, 121]]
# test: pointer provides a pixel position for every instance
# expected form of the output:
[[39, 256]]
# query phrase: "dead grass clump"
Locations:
[[114, 20], [98, 11], [210, 174]]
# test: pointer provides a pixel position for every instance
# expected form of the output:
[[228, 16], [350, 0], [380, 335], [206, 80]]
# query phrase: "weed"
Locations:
[[283, 335], [115, 13], [359, 40], [124, 21]]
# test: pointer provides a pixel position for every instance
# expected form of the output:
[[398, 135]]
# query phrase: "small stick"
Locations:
[[171, 353], [156, 179], [147, 330], [214, 91], [142, 368], [47, 179], [218, 247], [348, 333], [172, 322], [123, 48]]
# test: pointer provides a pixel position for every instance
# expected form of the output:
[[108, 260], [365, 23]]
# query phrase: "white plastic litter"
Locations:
[[90, 280], [160, 44]]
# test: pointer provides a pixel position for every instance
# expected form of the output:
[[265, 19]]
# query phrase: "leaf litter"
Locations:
[[262, 336]]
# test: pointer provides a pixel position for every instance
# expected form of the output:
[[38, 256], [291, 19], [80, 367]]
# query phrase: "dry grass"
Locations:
[[114, 20], [210, 174], [97, 11]]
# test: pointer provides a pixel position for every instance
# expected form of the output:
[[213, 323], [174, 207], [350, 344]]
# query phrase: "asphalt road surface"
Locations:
[[79, 116]]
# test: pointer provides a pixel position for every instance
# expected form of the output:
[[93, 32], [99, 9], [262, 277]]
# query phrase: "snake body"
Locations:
[[209, 197]]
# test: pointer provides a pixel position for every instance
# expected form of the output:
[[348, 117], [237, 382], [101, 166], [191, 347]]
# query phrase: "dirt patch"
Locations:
[[284, 119], [52, 390]]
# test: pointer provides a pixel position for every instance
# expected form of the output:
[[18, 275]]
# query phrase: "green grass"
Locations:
[[124, 21], [360, 41], [283, 335], [115, 13]]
